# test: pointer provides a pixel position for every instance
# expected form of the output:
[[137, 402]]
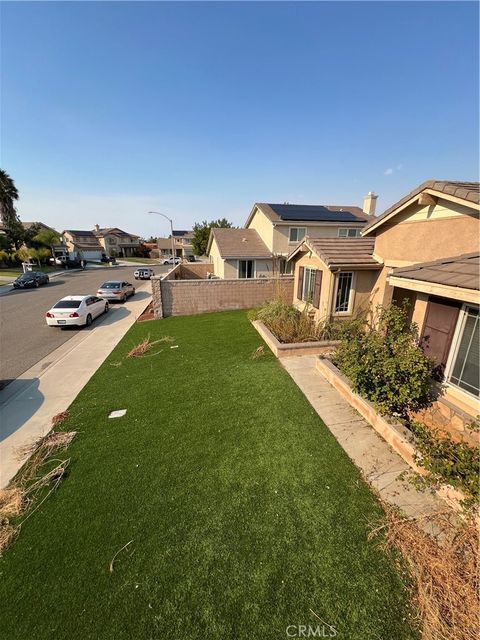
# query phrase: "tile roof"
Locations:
[[342, 252], [459, 271], [311, 212], [240, 243], [112, 231], [468, 191]]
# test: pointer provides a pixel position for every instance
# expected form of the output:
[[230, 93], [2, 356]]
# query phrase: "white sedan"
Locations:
[[76, 310]]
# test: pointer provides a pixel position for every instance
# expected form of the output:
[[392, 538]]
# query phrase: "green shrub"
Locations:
[[384, 362], [447, 461], [288, 324]]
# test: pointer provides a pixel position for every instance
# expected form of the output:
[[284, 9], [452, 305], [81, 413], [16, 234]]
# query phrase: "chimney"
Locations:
[[369, 203], [97, 228]]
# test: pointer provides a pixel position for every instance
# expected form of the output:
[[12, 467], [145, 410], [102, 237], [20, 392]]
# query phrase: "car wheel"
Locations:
[[36, 284], [124, 299], [47, 281], [133, 292], [106, 307], [88, 321]]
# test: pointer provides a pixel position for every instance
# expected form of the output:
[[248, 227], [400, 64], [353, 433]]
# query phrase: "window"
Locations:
[[344, 292], [348, 233], [308, 284], [284, 267], [465, 371], [246, 268], [297, 234]]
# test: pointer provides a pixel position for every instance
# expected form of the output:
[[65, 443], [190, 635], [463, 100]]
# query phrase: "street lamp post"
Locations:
[[171, 233]]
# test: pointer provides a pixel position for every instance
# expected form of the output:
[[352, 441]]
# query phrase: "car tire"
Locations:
[[48, 281], [107, 307], [88, 321], [133, 293], [37, 284], [124, 299]]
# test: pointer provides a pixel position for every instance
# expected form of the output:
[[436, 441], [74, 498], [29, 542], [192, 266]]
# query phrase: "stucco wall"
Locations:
[[263, 226], [281, 234], [364, 283], [424, 234], [263, 268], [216, 259], [189, 297]]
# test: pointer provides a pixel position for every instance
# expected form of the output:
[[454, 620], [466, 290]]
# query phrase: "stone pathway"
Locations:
[[379, 464]]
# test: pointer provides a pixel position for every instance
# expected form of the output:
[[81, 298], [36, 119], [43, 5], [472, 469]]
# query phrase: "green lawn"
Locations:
[[245, 514], [16, 272]]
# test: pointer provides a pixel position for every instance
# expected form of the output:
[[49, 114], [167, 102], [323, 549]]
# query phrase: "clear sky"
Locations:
[[200, 109]]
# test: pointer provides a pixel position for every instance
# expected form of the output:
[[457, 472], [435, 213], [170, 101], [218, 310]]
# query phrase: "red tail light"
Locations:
[[49, 315], [74, 315]]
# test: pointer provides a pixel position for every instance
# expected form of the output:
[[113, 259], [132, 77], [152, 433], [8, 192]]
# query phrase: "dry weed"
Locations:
[[258, 353], [444, 573], [11, 503], [59, 418], [143, 347]]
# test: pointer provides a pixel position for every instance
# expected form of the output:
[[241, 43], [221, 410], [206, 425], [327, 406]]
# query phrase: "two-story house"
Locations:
[[274, 230], [116, 242], [82, 245]]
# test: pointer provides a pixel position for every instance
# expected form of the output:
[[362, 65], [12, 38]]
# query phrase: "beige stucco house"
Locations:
[[334, 277], [116, 242], [428, 245], [239, 253], [280, 227], [82, 245]]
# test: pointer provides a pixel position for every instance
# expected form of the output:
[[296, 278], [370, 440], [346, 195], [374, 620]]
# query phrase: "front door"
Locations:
[[440, 322]]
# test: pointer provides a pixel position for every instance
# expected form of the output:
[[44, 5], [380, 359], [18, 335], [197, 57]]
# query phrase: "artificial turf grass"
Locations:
[[244, 512]]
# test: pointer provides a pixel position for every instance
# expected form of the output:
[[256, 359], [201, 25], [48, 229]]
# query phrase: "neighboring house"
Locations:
[[183, 242], [281, 227], [428, 244], [82, 245], [116, 242], [41, 226], [334, 277], [239, 253], [164, 246]]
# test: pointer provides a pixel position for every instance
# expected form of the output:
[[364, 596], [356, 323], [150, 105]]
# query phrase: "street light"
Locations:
[[171, 234]]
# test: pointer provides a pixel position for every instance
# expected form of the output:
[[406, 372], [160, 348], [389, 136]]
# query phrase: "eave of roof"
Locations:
[[340, 252], [459, 271], [468, 192]]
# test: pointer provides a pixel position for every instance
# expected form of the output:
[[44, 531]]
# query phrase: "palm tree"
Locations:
[[49, 238], [8, 214]]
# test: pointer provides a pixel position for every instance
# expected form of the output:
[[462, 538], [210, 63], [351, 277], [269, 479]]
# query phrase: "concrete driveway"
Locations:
[[24, 336]]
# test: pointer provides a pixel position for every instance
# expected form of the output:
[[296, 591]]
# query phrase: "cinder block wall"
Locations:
[[189, 297]]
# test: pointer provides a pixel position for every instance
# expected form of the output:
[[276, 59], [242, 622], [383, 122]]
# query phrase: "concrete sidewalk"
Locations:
[[28, 404], [380, 465]]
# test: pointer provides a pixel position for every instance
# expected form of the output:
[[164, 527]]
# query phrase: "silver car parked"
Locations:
[[118, 290]]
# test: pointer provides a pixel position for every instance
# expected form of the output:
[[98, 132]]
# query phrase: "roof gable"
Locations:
[[466, 193], [238, 243]]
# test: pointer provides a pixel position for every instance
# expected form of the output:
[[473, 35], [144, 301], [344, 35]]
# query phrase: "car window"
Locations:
[[67, 304], [111, 285]]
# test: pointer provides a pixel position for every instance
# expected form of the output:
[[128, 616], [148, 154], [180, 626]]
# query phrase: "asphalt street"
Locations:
[[25, 337]]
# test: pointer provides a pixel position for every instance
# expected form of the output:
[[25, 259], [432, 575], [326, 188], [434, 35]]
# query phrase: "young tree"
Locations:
[[10, 220], [201, 234]]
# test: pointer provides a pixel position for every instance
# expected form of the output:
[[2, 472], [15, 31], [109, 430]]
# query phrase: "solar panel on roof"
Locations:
[[314, 213]]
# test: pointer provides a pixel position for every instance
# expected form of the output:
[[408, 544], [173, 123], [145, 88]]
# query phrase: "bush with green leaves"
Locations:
[[448, 461], [384, 363]]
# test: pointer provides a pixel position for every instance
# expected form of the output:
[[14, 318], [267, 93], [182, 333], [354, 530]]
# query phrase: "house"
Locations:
[[116, 242], [334, 277], [183, 242], [239, 253], [282, 226], [164, 246], [82, 245], [428, 245]]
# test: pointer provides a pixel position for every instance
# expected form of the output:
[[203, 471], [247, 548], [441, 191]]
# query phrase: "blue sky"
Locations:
[[200, 109]]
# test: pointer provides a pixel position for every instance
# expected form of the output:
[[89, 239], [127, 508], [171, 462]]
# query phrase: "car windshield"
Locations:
[[26, 276], [67, 304], [110, 285]]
